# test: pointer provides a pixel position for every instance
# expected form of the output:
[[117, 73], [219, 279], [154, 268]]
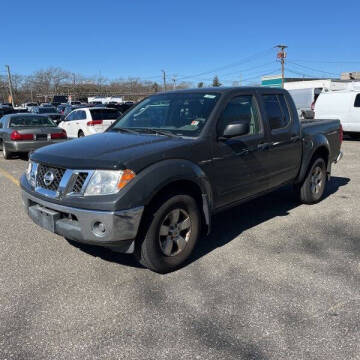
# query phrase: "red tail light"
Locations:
[[94, 122], [341, 134], [16, 136], [60, 135]]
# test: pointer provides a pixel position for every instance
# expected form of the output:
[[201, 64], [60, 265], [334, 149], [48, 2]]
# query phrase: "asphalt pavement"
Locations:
[[274, 280]]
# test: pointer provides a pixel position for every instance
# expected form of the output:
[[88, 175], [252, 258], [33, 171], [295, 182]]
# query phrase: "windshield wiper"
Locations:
[[125, 130], [157, 131]]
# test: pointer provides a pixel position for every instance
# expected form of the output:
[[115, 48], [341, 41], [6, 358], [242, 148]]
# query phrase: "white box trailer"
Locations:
[[105, 99]]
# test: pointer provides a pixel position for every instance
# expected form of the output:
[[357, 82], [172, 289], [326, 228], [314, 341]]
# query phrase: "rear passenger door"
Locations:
[[284, 155]]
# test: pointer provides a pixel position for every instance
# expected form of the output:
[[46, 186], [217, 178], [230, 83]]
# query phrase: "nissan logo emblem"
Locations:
[[49, 178]]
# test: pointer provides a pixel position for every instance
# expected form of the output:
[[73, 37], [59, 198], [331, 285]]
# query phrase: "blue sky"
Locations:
[[138, 38]]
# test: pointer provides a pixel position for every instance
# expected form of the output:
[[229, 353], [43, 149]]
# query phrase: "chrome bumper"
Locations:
[[28, 146], [116, 230]]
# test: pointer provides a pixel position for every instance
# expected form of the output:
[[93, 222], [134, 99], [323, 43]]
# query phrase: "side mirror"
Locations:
[[236, 129]]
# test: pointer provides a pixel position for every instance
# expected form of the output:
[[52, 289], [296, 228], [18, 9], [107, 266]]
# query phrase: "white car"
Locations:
[[342, 105], [88, 121]]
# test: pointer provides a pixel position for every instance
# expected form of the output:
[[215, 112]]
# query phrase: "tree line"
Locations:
[[43, 84]]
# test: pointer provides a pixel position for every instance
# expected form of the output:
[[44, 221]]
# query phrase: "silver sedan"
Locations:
[[24, 132]]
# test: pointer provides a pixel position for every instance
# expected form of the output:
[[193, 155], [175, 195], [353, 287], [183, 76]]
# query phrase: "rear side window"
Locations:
[[357, 101], [277, 111], [104, 114]]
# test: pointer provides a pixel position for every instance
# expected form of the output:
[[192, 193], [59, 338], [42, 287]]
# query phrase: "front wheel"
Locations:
[[313, 187], [172, 232]]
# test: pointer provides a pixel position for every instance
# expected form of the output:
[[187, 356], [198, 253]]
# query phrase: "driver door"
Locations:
[[239, 163]]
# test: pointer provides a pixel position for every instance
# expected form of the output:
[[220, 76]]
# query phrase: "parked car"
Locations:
[[88, 121], [30, 105], [22, 133], [59, 99], [122, 108], [4, 109], [343, 105], [51, 112], [61, 108], [150, 184], [69, 108]]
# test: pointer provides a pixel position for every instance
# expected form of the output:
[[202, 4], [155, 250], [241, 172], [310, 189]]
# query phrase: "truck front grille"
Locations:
[[44, 172], [79, 182]]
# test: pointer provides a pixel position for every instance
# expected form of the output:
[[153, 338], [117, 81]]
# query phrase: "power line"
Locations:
[[330, 61], [243, 61], [312, 69]]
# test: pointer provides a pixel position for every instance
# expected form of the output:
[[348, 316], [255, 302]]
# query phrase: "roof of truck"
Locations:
[[223, 90]]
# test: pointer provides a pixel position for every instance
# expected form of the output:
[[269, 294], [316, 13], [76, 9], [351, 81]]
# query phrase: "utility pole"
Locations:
[[164, 79], [282, 55], [10, 85], [174, 82]]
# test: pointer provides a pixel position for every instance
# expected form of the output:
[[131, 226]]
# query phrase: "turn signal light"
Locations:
[[16, 136], [126, 177]]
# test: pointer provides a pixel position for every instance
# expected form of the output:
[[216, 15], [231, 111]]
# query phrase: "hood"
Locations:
[[109, 151]]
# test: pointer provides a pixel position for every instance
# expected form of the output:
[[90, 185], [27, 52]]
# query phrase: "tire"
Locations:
[[6, 154], [169, 234], [81, 134], [312, 189]]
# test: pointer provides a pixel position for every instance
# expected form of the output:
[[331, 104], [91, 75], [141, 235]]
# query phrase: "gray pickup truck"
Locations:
[[150, 184]]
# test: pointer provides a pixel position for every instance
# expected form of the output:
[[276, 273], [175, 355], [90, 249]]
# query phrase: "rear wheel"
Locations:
[[6, 153], [81, 134], [170, 233], [313, 187]]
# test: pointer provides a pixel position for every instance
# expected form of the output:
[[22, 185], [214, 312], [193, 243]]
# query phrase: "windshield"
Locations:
[[183, 114], [30, 121], [47, 110]]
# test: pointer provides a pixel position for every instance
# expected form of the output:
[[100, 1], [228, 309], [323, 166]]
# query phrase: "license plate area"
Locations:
[[41, 137], [44, 217]]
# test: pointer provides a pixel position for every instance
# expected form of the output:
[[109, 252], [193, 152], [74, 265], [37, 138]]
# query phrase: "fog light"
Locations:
[[99, 228]]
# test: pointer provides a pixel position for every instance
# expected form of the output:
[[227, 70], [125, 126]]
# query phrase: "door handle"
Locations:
[[295, 138]]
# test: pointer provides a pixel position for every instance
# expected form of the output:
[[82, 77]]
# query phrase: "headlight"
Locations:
[[106, 182], [31, 173]]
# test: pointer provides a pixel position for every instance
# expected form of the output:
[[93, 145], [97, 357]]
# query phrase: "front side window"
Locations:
[[183, 114], [241, 109], [277, 114]]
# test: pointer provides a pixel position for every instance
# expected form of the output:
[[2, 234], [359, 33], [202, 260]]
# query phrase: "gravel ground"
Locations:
[[274, 280]]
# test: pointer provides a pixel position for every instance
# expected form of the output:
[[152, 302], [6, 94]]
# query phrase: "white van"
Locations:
[[342, 105], [305, 100]]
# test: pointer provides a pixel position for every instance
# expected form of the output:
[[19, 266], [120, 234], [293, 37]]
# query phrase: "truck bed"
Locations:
[[327, 127]]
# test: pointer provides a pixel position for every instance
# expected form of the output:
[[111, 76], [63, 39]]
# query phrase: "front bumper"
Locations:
[[112, 229], [27, 146]]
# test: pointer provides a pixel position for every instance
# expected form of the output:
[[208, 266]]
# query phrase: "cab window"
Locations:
[[241, 108]]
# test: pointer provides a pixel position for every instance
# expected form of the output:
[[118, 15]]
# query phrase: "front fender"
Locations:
[[152, 179], [311, 144]]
